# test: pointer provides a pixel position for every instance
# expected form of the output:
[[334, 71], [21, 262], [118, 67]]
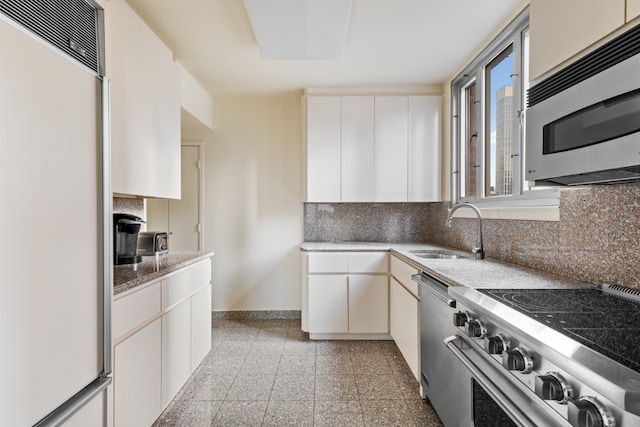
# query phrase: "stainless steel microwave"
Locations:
[[588, 132]]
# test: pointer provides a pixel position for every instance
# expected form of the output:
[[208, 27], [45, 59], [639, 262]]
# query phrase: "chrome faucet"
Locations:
[[478, 250]]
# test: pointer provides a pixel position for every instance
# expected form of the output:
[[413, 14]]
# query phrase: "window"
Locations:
[[488, 135]]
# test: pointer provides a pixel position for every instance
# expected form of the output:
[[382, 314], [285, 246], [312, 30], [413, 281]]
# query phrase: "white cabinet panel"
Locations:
[[145, 109], [137, 377], [404, 324], [391, 148], [357, 151], [200, 326], [185, 282], [135, 308], [577, 23], [330, 262], [368, 304], [425, 149], [368, 262], [328, 304], [403, 272], [633, 9], [176, 350], [323, 149]]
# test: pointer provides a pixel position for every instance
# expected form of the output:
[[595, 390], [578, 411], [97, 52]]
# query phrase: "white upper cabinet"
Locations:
[[391, 148], [373, 148], [425, 149], [561, 30], [357, 148], [323, 149], [633, 9], [145, 109]]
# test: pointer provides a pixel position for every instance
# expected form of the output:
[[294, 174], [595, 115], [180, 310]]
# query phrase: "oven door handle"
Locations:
[[427, 286], [486, 383]]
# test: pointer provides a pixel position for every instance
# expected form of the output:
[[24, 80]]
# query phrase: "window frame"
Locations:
[[513, 35]]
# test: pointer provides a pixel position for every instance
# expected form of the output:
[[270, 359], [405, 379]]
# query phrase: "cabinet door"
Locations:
[[425, 149], [145, 109], [368, 304], [357, 149], [323, 149], [328, 304], [137, 377], [633, 9], [577, 23], [403, 324], [391, 148], [200, 326], [176, 350]]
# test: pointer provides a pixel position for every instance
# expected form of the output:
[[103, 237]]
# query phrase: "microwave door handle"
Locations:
[[486, 384]]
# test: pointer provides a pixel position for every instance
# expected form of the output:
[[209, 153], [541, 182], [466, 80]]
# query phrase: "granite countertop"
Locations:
[[469, 272], [129, 276]]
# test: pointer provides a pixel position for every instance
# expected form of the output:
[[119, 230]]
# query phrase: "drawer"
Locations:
[[369, 262], [132, 310], [403, 272], [185, 283], [329, 262]]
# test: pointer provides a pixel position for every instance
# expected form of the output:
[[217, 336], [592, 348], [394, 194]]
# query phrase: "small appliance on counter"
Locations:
[[152, 243], [125, 238]]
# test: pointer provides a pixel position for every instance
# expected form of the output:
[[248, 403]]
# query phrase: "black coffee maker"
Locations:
[[125, 238]]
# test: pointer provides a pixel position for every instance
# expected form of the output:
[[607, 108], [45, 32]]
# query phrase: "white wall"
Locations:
[[253, 202]]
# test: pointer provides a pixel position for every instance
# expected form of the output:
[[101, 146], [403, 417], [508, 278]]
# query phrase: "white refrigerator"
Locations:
[[55, 203]]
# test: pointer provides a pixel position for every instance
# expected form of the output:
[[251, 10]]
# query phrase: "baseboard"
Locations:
[[257, 315]]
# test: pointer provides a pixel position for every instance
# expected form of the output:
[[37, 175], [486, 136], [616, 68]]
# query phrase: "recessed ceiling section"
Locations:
[[300, 29]]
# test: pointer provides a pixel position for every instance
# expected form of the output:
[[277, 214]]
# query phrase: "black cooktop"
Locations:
[[606, 323]]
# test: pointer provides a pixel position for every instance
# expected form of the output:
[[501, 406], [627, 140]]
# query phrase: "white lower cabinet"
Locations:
[[137, 377], [404, 314], [200, 326], [328, 304], [176, 350], [403, 324], [346, 294], [368, 304], [162, 332]]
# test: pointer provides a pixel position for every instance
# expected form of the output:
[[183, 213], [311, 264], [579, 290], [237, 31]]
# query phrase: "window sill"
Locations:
[[523, 213]]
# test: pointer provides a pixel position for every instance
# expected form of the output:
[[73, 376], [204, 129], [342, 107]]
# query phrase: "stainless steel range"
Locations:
[[545, 357]]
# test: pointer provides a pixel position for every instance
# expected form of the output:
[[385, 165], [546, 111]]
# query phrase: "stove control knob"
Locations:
[[588, 412], [553, 386], [517, 359], [475, 329], [460, 318], [496, 344]]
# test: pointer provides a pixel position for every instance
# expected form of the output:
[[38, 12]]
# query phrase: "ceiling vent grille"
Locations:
[[617, 50], [69, 25]]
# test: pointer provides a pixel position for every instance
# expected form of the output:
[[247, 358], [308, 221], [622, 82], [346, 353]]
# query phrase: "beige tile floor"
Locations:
[[268, 373]]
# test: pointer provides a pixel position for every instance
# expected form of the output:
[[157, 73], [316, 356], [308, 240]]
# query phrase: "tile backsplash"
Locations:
[[129, 205], [597, 239], [366, 222]]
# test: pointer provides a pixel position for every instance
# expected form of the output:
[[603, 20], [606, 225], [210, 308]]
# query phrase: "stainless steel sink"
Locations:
[[436, 254]]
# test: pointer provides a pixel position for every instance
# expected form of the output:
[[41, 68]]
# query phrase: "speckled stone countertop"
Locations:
[[127, 277], [469, 272]]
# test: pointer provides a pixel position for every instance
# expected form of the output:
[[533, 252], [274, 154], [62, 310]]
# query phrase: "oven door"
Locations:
[[496, 399]]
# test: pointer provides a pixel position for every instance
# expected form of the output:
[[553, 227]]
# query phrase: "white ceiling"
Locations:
[[389, 43]]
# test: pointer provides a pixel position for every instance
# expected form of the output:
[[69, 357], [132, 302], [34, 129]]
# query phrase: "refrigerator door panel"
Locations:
[[50, 226]]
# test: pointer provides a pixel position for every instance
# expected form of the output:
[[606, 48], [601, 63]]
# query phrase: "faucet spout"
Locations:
[[479, 249]]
